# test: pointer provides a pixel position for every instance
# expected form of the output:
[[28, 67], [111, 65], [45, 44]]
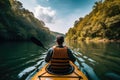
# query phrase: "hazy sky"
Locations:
[[59, 15]]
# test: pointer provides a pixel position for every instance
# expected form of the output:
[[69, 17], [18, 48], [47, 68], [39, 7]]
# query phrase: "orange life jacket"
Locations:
[[60, 59]]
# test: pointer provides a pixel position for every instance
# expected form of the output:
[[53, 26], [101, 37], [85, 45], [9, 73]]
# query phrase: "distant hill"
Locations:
[[103, 22], [57, 33], [19, 24]]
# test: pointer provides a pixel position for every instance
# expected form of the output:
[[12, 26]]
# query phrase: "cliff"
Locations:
[[103, 22]]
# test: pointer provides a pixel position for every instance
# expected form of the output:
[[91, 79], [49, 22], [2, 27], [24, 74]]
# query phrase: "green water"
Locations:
[[99, 61], [102, 57], [15, 57]]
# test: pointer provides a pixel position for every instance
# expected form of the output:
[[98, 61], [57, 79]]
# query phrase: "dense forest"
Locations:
[[19, 24], [102, 23]]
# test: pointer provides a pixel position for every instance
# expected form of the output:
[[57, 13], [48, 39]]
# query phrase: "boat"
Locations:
[[76, 74]]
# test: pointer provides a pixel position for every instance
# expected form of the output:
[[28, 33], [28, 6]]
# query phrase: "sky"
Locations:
[[59, 15]]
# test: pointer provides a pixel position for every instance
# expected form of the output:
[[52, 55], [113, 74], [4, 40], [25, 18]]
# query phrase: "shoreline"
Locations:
[[103, 40], [96, 40]]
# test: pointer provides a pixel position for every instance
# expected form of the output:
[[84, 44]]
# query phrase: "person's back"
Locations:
[[59, 57]]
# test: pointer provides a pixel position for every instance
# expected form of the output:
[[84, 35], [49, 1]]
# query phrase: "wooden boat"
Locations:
[[43, 74]]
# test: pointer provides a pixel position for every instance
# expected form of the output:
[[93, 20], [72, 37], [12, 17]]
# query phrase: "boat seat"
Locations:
[[68, 71]]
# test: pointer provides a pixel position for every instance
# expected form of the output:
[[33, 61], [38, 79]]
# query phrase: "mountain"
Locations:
[[19, 24], [57, 33], [102, 23]]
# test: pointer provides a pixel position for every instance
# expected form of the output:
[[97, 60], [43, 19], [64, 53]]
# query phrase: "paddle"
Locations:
[[38, 42]]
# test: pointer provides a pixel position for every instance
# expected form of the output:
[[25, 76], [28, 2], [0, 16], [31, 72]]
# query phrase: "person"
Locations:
[[58, 57]]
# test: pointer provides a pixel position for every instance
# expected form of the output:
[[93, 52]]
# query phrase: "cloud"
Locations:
[[45, 14], [63, 23], [29, 5], [52, 21]]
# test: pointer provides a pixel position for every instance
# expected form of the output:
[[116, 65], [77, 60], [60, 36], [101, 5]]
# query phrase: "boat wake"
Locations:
[[80, 62], [32, 69], [84, 67]]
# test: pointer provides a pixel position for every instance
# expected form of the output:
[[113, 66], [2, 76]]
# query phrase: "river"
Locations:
[[99, 61]]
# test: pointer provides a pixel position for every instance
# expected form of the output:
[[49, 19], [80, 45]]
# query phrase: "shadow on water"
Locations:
[[18, 59], [99, 60]]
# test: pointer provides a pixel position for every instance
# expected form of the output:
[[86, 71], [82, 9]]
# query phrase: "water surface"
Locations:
[[99, 61], [17, 56], [102, 59]]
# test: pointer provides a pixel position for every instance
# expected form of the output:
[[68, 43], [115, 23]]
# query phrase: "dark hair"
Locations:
[[59, 39]]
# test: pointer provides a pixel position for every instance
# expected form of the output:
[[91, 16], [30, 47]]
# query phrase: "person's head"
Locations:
[[59, 39]]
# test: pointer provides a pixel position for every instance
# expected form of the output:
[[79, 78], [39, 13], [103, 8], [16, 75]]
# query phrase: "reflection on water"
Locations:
[[99, 61], [15, 57], [103, 58]]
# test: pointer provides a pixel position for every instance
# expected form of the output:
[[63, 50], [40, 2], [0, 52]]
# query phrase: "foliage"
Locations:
[[17, 23], [103, 22]]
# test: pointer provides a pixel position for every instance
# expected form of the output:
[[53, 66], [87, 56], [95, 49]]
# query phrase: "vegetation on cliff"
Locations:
[[19, 24], [103, 22]]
